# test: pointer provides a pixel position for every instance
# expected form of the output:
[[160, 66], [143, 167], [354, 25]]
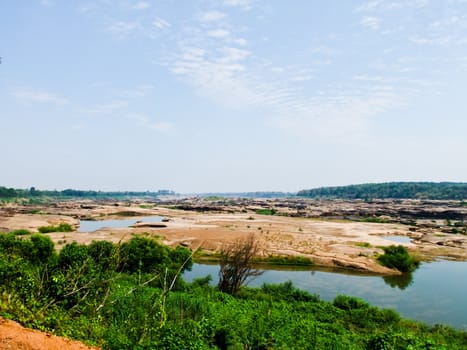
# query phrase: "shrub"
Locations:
[[143, 254], [345, 302], [20, 232], [62, 227], [287, 291], [266, 211], [397, 257]]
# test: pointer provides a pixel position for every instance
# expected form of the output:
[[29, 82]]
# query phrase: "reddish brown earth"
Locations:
[[15, 337]]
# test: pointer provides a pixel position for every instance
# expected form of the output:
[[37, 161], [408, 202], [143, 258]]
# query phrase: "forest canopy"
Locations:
[[393, 190]]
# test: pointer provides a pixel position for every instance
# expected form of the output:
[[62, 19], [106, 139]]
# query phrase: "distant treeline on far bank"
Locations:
[[11, 193], [389, 190], [393, 190]]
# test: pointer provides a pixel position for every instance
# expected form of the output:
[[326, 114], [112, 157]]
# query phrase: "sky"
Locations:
[[231, 95]]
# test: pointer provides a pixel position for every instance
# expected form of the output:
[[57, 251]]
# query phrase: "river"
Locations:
[[436, 293]]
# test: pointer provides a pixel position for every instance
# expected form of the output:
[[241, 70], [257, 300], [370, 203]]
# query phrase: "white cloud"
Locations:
[[38, 96], [440, 40], [338, 114], [141, 5], [139, 91], [370, 22], [211, 16], [233, 54], [385, 5], [246, 4], [109, 108], [240, 41], [122, 28], [147, 123], [161, 23], [218, 33]]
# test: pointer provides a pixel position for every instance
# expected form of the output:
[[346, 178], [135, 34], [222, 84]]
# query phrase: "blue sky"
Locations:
[[231, 95]]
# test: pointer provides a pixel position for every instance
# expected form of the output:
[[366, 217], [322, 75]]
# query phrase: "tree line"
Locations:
[[392, 190], [11, 193]]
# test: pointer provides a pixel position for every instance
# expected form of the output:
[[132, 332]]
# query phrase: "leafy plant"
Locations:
[[397, 257], [62, 227]]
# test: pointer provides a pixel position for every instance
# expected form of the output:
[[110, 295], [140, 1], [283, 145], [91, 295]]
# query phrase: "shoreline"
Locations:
[[329, 243]]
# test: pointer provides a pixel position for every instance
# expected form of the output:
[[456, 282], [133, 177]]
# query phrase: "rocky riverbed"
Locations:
[[346, 234]]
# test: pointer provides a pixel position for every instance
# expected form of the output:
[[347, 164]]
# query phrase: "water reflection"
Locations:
[[399, 281]]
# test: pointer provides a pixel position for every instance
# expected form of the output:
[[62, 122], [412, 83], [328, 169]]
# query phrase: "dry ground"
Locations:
[[15, 337], [326, 242]]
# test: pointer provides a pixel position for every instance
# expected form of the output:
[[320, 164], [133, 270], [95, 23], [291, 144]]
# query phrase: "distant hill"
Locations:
[[396, 190]]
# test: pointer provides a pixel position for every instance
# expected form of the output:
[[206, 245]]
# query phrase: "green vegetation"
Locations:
[[363, 244], [36, 196], [130, 296], [284, 260], [397, 257], [396, 190], [62, 227], [375, 219], [20, 232], [265, 211]]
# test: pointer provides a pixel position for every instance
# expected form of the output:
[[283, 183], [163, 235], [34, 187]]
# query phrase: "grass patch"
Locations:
[[284, 260], [62, 227], [375, 219], [363, 244], [126, 213], [266, 211], [21, 232]]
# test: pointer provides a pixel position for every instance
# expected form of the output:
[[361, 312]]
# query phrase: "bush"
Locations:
[[266, 211], [20, 232], [143, 254], [397, 257], [345, 302], [62, 227], [287, 291]]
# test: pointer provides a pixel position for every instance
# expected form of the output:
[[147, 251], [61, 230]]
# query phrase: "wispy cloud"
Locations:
[[218, 33], [122, 28], [338, 114], [211, 16], [385, 5], [108, 108], [439, 40], [141, 5], [245, 4], [370, 22], [147, 123], [161, 23], [139, 91], [38, 96]]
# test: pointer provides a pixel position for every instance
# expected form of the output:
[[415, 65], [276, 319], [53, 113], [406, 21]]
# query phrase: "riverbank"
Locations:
[[325, 242]]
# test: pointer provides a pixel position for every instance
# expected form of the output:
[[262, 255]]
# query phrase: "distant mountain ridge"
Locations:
[[395, 190]]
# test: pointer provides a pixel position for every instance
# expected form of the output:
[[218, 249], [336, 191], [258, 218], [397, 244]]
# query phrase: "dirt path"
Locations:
[[15, 337]]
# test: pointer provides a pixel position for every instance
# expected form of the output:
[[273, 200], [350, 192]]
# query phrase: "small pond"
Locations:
[[398, 239], [93, 225], [434, 293]]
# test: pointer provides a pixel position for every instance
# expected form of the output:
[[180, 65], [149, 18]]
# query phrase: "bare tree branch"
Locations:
[[236, 264]]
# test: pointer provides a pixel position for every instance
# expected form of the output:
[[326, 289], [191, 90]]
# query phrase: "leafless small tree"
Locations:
[[236, 264]]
